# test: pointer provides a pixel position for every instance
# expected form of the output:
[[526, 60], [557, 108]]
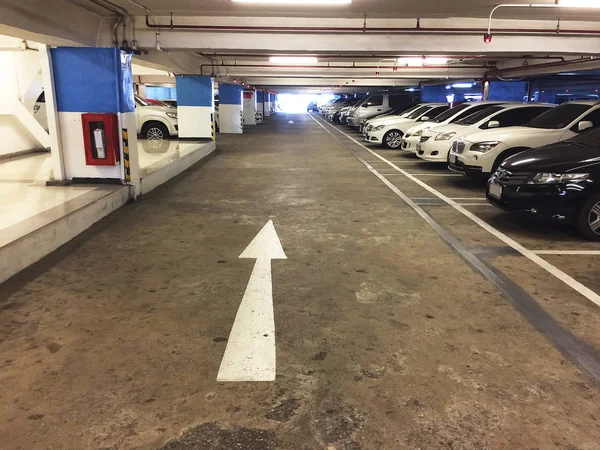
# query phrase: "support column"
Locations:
[[267, 104], [250, 107], [195, 107], [95, 81], [260, 105], [231, 115]]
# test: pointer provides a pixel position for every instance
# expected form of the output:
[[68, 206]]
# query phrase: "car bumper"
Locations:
[[354, 122], [553, 201], [375, 137], [410, 144], [471, 171], [433, 150]]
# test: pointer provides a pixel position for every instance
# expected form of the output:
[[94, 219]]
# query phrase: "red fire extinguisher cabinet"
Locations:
[[101, 139]]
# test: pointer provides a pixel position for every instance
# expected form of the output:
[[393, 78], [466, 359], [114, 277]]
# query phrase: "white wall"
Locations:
[[20, 83]]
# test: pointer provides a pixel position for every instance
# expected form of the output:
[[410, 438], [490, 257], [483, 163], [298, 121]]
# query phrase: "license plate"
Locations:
[[495, 190], [452, 159]]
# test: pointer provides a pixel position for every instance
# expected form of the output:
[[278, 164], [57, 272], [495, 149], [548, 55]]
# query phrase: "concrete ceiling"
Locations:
[[359, 8]]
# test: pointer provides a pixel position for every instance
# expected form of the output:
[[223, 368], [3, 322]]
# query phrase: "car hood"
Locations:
[[439, 129], [420, 126], [558, 158], [157, 108], [502, 134], [388, 120]]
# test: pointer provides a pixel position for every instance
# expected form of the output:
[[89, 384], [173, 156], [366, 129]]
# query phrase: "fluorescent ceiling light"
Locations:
[[297, 2], [418, 62], [463, 85], [294, 59], [579, 3]]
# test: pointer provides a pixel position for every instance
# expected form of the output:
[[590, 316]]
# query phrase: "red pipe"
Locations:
[[270, 66], [403, 30]]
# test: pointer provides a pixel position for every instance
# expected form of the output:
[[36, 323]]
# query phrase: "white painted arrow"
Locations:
[[250, 352]]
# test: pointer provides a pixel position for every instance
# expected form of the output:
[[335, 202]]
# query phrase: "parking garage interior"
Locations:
[[299, 225]]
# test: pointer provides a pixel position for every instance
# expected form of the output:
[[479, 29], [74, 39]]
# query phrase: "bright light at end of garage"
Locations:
[[294, 59], [579, 3], [297, 2]]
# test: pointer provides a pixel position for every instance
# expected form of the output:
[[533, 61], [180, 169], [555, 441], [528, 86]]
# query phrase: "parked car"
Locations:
[[413, 135], [331, 105], [401, 111], [435, 143], [312, 106], [155, 122], [172, 103], [559, 181], [375, 104], [480, 154], [39, 111], [388, 131], [333, 113]]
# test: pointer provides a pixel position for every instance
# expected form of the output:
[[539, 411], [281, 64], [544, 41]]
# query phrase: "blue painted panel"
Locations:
[[230, 94], [161, 93], [87, 79], [433, 94], [260, 96], [194, 91], [508, 90]]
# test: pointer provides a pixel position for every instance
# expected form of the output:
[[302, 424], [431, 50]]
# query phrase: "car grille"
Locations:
[[512, 178], [424, 139], [369, 128], [458, 147]]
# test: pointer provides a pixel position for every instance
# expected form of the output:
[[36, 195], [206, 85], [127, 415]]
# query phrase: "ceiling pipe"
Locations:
[[544, 66], [397, 30], [378, 57], [286, 66]]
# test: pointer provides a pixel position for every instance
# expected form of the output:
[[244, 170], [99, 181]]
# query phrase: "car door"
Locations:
[[515, 116]]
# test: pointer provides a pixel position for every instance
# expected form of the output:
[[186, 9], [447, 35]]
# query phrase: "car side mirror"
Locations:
[[366, 105], [585, 125], [493, 124], [424, 119]]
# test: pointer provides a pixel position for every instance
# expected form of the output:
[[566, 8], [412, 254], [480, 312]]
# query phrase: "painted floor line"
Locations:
[[579, 353], [567, 252], [555, 271]]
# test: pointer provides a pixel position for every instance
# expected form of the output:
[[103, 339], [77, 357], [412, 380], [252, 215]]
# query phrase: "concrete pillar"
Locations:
[[231, 115], [95, 81], [250, 107], [260, 105], [195, 107], [267, 104]]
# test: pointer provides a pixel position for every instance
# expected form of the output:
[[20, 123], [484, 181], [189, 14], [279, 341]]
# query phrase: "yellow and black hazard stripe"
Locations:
[[212, 126], [126, 163]]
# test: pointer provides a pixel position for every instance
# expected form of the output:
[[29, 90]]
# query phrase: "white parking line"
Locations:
[[532, 256], [567, 252]]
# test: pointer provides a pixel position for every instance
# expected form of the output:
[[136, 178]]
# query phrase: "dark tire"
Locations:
[[393, 139], [155, 130], [588, 220]]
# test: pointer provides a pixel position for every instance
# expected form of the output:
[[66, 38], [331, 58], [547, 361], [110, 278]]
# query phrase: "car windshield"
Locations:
[[451, 113], [559, 117], [589, 137], [140, 101], [407, 112], [479, 116], [418, 112]]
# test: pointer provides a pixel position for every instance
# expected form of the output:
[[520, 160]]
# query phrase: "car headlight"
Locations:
[[445, 136], [172, 115], [420, 133], [484, 147], [379, 128], [555, 178]]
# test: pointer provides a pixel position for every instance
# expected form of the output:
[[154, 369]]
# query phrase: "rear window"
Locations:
[[559, 117], [479, 116]]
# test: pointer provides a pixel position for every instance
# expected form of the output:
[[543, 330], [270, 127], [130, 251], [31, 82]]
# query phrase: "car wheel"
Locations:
[[588, 221], [393, 139], [155, 131]]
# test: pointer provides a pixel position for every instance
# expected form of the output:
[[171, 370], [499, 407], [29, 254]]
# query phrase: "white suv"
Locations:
[[480, 154], [389, 130], [412, 136], [155, 122], [435, 143]]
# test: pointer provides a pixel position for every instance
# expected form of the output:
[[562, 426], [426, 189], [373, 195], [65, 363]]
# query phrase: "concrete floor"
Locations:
[[386, 337]]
